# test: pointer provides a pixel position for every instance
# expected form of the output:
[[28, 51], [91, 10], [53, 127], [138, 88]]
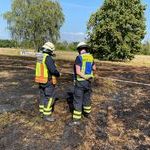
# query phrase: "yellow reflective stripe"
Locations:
[[47, 113], [45, 67], [41, 110], [87, 111], [38, 69], [87, 107], [76, 112], [45, 73], [41, 106], [87, 76], [76, 117], [48, 109], [49, 103], [80, 79]]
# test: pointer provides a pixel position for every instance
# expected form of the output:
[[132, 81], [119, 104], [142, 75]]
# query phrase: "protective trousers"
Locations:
[[46, 99], [82, 99]]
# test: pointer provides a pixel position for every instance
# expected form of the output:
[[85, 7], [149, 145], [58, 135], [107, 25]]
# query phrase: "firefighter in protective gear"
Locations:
[[46, 74], [83, 71]]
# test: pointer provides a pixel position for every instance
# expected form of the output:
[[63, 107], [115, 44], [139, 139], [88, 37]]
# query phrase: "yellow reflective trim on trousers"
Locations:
[[49, 103], [87, 107], [41, 106], [87, 111], [76, 112], [47, 113], [48, 109], [76, 117], [41, 110]]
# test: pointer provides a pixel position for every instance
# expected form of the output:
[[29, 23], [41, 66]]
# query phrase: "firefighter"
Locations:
[[83, 70], [46, 74]]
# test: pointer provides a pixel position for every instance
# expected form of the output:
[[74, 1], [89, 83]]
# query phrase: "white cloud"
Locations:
[[74, 33], [73, 36]]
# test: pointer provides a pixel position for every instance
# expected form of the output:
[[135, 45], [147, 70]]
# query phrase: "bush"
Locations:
[[61, 46], [146, 48], [65, 46], [8, 43]]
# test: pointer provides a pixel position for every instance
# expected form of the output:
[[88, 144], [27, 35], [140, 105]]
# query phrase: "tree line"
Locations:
[[64, 46], [8, 44], [114, 31]]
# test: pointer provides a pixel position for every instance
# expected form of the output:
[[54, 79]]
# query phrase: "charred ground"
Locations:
[[119, 120]]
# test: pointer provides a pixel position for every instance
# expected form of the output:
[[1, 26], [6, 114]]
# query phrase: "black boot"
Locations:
[[86, 115]]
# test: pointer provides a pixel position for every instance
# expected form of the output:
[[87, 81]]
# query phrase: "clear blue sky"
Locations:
[[76, 13]]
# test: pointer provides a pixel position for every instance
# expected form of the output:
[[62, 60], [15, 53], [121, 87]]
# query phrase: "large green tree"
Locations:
[[116, 30], [35, 20]]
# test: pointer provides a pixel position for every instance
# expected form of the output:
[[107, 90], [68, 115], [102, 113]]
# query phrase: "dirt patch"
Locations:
[[119, 118]]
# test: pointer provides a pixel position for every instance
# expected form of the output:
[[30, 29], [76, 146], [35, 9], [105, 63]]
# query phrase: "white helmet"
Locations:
[[82, 45], [50, 46]]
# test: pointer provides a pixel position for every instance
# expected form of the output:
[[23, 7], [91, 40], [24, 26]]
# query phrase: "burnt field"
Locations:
[[120, 118]]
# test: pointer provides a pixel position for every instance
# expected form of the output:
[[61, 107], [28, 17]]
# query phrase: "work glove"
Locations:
[[54, 80]]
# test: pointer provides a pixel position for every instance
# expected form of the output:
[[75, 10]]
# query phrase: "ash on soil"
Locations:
[[119, 119]]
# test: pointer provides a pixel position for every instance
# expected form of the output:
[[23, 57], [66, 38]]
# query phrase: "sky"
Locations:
[[77, 14]]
